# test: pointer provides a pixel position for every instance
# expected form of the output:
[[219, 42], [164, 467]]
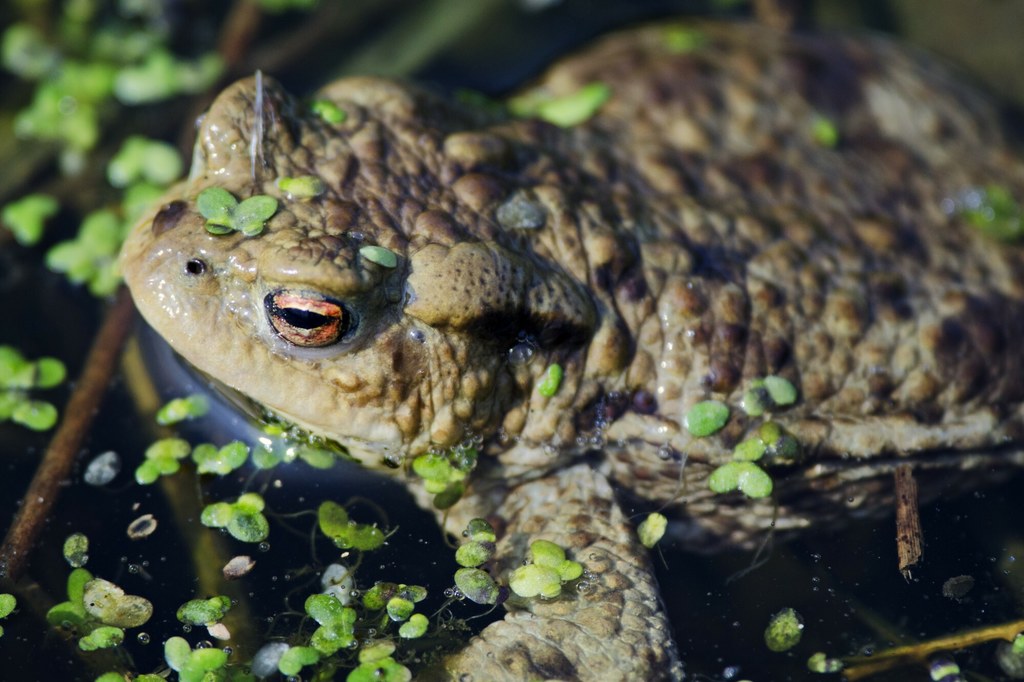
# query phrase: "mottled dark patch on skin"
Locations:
[[644, 402], [602, 411], [169, 216]]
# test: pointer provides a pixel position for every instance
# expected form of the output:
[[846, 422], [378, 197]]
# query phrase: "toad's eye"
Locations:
[[307, 320]]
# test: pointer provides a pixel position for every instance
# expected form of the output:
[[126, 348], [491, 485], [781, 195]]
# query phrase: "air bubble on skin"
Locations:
[[356, 236], [520, 354]]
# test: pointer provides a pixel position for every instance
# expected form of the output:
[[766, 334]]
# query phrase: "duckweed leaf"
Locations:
[[109, 604], [210, 460], [385, 258], [217, 205], [682, 39], [204, 611], [551, 381], [337, 623], [477, 585], [376, 651], [480, 530], [301, 187], [652, 529], [824, 131], [784, 630], [37, 415], [252, 213], [749, 450], [295, 659], [7, 604], [180, 409], [142, 159], [103, 637], [820, 663], [26, 217], [248, 527], [747, 477], [574, 108], [382, 670], [328, 111], [76, 550], [706, 417], [474, 553], [415, 627], [532, 580], [781, 391]]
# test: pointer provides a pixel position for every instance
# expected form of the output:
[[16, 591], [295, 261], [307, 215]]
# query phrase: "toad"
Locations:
[[750, 204]]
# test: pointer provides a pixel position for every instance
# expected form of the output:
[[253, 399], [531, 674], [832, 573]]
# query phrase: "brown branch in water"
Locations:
[[909, 538], [56, 465], [236, 35], [859, 668]]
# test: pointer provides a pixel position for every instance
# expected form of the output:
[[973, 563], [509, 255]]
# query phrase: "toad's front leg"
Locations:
[[613, 628]]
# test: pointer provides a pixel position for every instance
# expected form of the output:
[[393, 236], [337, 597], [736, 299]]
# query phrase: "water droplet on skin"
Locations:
[[520, 354]]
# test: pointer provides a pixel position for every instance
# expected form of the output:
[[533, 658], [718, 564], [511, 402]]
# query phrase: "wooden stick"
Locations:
[[909, 545], [55, 468]]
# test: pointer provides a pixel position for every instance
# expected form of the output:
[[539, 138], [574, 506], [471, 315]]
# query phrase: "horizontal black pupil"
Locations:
[[303, 319]]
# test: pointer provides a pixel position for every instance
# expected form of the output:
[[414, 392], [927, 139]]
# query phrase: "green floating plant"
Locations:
[[477, 585], [193, 665], [18, 376], [91, 258], [162, 75], [162, 458], [224, 214], [706, 417], [7, 605], [820, 663], [103, 637], [547, 570], [386, 258], [747, 477], [683, 39], [377, 665], [141, 159], [328, 111], [993, 211], [204, 611], [337, 623], [243, 519], [296, 658], [76, 550], [824, 131], [551, 381], [415, 627], [652, 529], [766, 394], [180, 409], [26, 217], [108, 603], [784, 630], [347, 534], [301, 187], [71, 614], [565, 111], [222, 461], [397, 599], [480, 545], [444, 473]]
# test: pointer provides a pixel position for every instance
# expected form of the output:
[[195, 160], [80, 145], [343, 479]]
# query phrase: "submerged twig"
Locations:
[[859, 668], [56, 465], [909, 542]]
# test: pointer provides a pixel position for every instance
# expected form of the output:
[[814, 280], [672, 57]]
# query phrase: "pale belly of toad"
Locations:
[[741, 206]]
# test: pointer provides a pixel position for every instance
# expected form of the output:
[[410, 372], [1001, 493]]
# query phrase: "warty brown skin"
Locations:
[[690, 237]]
